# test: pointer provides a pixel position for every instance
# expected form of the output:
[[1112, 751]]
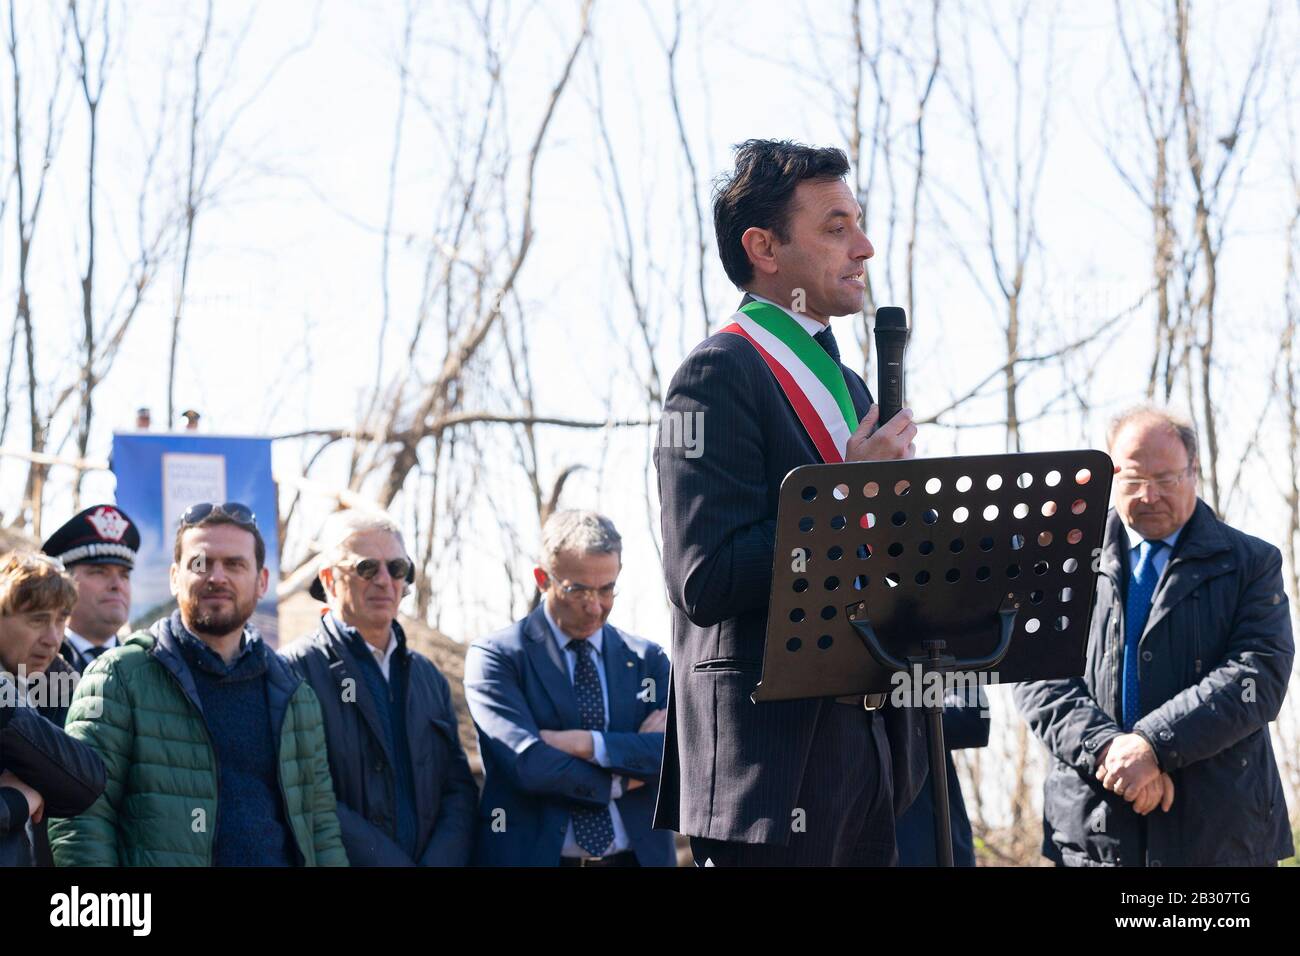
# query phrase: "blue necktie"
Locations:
[[1141, 588], [594, 829]]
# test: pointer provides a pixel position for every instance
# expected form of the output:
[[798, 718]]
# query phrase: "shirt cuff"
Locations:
[[616, 787], [598, 752]]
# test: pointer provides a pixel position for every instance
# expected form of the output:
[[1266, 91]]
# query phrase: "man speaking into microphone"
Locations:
[[791, 783]]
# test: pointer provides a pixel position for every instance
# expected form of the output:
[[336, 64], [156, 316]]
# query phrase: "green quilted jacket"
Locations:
[[137, 707]]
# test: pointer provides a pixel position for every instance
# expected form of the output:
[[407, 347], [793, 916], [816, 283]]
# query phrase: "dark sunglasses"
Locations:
[[399, 569], [236, 511]]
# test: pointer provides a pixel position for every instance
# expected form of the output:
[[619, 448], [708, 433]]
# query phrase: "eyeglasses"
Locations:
[[581, 592], [234, 510], [399, 569], [1164, 484]]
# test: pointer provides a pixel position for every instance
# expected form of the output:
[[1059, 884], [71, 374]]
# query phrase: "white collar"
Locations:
[[811, 326], [81, 645], [386, 654], [595, 642], [1135, 540], [381, 657]]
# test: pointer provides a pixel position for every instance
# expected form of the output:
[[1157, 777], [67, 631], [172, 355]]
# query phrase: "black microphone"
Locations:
[[891, 345]]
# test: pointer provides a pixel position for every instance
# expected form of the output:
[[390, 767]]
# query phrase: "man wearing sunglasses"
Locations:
[[1161, 749], [215, 748], [405, 792], [570, 717]]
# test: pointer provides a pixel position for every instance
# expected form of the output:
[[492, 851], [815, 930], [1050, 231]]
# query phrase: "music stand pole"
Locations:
[[938, 759]]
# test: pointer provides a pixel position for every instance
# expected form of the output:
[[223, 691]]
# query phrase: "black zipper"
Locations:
[[1112, 646], [1117, 644]]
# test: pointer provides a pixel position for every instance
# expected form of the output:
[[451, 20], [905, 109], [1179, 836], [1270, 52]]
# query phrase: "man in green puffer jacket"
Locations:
[[215, 748]]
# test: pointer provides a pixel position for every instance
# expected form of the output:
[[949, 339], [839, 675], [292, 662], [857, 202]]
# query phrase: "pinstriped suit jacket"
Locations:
[[732, 768]]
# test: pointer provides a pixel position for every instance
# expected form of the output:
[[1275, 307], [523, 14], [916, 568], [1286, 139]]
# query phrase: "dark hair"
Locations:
[[758, 194], [218, 517]]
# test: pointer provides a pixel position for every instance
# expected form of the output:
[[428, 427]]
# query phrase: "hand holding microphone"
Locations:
[[887, 431], [890, 442]]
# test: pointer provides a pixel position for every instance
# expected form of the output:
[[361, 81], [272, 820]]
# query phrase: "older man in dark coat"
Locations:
[[405, 793], [1161, 750]]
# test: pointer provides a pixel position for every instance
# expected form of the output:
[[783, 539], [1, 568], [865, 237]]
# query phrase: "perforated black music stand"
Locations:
[[982, 564]]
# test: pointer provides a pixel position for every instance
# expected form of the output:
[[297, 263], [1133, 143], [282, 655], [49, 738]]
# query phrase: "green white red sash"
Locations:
[[811, 379]]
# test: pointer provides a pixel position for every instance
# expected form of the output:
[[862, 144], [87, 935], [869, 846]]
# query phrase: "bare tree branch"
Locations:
[[438, 395]]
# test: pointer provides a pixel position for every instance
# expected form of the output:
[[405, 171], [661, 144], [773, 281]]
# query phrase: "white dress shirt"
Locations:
[[596, 643], [383, 658], [811, 326], [1161, 558], [83, 646]]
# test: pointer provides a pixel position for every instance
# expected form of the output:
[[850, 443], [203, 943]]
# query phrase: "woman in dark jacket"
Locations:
[[43, 772]]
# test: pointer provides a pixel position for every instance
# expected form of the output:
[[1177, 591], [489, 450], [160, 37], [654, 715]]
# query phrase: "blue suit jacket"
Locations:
[[517, 684]]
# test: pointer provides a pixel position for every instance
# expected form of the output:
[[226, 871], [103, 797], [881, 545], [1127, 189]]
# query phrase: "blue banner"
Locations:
[[160, 475]]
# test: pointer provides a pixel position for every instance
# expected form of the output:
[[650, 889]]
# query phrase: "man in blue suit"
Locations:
[[570, 714]]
